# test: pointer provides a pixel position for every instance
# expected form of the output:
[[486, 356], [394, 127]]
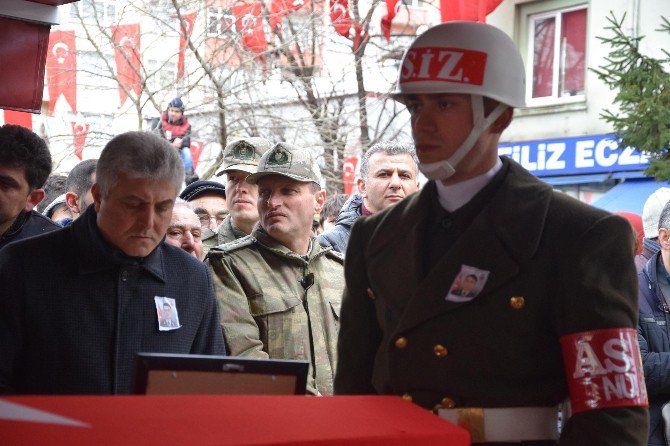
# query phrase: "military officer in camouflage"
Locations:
[[240, 159], [279, 291]]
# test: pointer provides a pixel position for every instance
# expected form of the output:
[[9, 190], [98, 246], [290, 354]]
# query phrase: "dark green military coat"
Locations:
[[556, 267]]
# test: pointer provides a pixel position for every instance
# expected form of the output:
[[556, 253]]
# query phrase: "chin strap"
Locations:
[[442, 170]]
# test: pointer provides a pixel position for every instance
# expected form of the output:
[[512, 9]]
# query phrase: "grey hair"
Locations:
[[138, 155], [390, 148], [664, 219]]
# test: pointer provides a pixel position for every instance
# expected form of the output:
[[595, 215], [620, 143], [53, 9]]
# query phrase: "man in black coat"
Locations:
[[77, 304], [25, 164], [653, 331], [553, 314]]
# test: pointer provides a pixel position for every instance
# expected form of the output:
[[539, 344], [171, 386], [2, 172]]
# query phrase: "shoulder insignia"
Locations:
[[234, 245], [331, 253]]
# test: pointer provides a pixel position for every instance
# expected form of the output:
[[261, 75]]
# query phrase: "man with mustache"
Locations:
[[278, 290], [388, 174]]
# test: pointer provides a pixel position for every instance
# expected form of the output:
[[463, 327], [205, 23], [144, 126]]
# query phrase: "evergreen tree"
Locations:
[[642, 84]]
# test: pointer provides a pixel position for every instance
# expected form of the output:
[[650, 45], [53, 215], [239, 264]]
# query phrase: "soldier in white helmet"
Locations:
[[549, 320]]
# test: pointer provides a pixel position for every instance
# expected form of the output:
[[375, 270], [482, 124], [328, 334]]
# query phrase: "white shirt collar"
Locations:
[[454, 196]]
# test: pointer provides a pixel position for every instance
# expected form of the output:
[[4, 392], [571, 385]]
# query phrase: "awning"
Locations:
[[576, 179], [629, 196]]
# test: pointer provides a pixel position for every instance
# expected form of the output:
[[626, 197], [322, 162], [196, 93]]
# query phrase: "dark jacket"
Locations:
[[338, 237], [27, 224], [653, 335], [553, 272], [649, 248], [74, 311]]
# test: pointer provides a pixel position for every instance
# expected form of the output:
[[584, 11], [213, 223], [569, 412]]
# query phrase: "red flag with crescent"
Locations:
[[387, 21], [19, 118], [349, 174], [188, 21], [281, 8], [196, 150], [340, 16], [471, 10], [250, 24], [127, 57], [62, 69], [79, 132]]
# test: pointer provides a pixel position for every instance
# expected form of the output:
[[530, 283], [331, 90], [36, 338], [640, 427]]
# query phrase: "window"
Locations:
[[302, 30], [160, 75], [105, 10], [556, 61], [220, 21]]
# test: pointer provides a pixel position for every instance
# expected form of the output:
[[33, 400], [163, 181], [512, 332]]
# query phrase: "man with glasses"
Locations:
[[208, 201]]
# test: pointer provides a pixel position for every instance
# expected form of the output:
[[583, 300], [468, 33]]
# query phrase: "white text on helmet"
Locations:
[[444, 64]]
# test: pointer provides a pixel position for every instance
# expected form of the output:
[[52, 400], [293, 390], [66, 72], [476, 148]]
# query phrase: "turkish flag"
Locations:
[[62, 69], [19, 118], [471, 10], [188, 20], [391, 11], [250, 24], [340, 16], [127, 57], [196, 150], [281, 8], [349, 174], [79, 132]]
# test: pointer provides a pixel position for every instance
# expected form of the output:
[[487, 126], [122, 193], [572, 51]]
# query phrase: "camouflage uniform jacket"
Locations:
[[209, 239], [266, 311], [228, 232]]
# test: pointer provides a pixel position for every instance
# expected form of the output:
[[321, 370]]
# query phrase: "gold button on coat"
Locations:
[[440, 350], [517, 302], [371, 294], [401, 342], [407, 397], [448, 403]]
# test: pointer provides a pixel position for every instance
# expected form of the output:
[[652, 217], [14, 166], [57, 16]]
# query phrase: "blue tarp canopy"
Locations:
[[629, 196]]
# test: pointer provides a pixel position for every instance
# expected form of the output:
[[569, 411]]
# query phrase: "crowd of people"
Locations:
[[484, 290]]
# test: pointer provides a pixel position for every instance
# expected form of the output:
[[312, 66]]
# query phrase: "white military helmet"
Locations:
[[463, 58], [466, 58]]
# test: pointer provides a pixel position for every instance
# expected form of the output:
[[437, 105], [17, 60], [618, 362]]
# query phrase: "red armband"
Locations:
[[604, 369]]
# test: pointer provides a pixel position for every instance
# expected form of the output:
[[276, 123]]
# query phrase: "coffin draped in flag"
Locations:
[[188, 21], [127, 57], [470, 10], [249, 21], [61, 68], [281, 8]]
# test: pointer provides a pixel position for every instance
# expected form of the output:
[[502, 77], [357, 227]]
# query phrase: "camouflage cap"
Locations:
[[290, 161], [244, 154]]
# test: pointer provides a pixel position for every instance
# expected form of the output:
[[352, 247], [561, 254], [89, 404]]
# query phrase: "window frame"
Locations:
[[103, 18], [529, 16], [219, 12]]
